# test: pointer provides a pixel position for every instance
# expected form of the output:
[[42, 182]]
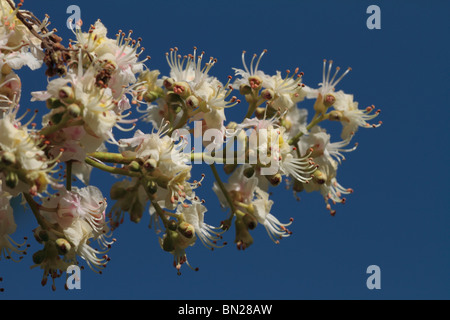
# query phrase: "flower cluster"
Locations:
[[96, 83]]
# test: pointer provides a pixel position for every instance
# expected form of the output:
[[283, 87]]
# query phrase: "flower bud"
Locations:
[[12, 179], [275, 179], [186, 229], [56, 118], [150, 96], [255, 82], [268, 94], [260, 113], [63, 246], [134, 166], [8, 158], [245, 89], [74, 110], [172, 225], [182, 89], [319, 177], [53, 103], [298, 186], [335, 115], [150, 165], [151, 187], [168, 83], [250, 221], [66, 94], [39, 257], [192, 101]]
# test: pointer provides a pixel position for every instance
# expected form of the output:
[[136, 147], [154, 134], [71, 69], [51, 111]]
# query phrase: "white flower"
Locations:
[[286, 92], [194, 214], [81, 215], [251, 76], [351, 117], [262, 206]]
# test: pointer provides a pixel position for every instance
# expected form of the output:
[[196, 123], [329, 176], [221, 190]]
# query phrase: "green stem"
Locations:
[[223, 189], [160, 212], [104, 167], [35, 209], [111, 157], [313, 122]]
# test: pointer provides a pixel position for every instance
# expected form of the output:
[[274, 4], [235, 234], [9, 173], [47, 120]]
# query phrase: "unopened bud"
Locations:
[[275, 179], [63, 246], [12, 179], [150, 164], [172, 225], [152, 187], [74, 110], [66, 94], [39, 257], [192, 101], [150, 96], [56, 118], [268, 94], [134, 166], [54, 103], [255, 82], [319, 177], [168, 83], [260, 113], [186, 229], [8, 158], [168, 243], [335, 115], [298, 186], [245, 89]]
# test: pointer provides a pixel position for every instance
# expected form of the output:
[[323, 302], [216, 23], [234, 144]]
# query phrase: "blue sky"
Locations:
[[397, 218]]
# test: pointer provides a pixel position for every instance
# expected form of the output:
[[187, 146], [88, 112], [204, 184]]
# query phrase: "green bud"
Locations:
[[63, 246], [150, 165], [134, 166], [319, 177], [335, 115], [298, 186], [39, 257], [66, 94], [56, 118], [168, 242], [186, 229], [12, 179], [43, 235], [192, 101], [8, 158], [172, 225], [6, 69], [152, 187], [275, 179], [268, 94], [54, 103], [168, 83], [74, 110], [150, 96]]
